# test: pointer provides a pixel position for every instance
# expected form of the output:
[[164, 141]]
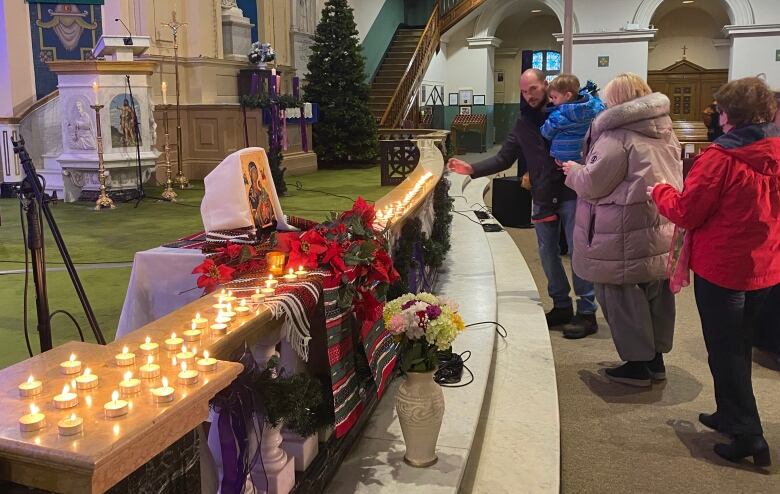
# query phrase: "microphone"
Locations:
[[129, 40]]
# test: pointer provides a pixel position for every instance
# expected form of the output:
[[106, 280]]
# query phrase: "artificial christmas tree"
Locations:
[[346, 132]]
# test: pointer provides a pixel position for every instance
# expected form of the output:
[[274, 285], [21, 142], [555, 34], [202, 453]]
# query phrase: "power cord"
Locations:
[[299, 187], [451, 365], [26, 279]]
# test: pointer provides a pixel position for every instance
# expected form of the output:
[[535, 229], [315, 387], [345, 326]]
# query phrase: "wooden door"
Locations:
[[684, 97]]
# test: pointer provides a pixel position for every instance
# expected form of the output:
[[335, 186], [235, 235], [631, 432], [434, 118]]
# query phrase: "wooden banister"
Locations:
[[401, 103], [453, 11]]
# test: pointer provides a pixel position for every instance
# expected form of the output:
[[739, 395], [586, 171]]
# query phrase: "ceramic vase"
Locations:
[[420, 408]]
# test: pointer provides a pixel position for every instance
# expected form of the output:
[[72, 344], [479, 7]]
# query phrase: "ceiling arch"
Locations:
[[740, 12], [497, 10]]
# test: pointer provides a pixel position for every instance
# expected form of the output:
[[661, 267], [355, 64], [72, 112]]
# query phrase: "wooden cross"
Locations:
[[174, 26], [684, 48]]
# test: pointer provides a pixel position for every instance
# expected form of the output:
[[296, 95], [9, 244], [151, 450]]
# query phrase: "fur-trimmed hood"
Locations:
[[648, 115]]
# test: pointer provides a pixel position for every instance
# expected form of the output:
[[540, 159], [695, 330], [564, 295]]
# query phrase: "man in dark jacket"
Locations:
[[526, 145]]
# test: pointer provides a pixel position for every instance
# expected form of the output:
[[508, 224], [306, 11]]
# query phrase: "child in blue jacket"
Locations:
[[570, 116]]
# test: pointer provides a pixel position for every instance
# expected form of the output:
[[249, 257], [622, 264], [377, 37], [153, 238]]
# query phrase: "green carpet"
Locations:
[[114, 237]]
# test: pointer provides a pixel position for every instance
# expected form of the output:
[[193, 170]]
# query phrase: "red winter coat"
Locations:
[[731, 205]]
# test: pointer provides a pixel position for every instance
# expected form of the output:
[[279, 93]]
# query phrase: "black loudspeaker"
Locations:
[[511, 203]]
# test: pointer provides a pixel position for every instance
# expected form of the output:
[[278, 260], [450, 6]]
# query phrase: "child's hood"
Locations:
[[583, 109]]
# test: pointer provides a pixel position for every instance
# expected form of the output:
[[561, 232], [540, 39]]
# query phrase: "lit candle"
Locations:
[[87, 380], [290, 276], [242, 309], [229, 313], [185, 355], [129, 385], [31, 387], [221, 304], [149, 370], [257, 297], [207, 364], [221, 294], [275, 262], [222, 318], [70, 426], [187, 376], [71, 366], [173, 343], [148, 347], [200, 322], [164, 393], [219, 329], [33, 421], [96, 90], [192, 334], [229, 298], [66, 399], [165, 92], [125, 358], [301, 271], [269, 289], [271, 281], [115, 407]]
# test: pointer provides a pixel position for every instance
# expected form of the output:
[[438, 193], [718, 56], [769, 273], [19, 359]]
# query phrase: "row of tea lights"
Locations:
[[392, 212], [129, 386]]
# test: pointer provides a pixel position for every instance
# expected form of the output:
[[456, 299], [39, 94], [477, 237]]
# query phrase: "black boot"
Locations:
[[710, 420], [657, 368], [559, 316], [744, 446], [581, 325], [631, 373]]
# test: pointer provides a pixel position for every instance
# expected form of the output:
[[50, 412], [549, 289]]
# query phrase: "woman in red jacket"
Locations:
[[730, 206]]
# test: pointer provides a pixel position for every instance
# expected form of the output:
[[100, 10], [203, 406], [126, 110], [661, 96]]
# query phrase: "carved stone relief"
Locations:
[[79, 125]]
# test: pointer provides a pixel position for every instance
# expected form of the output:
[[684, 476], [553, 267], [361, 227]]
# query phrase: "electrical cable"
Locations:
[[505, 334], [84, 263], [465, 216], [26, 279], [78, 328], [299, 187], [452, 366]]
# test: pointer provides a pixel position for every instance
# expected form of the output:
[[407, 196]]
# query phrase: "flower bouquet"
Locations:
[[422, 324]]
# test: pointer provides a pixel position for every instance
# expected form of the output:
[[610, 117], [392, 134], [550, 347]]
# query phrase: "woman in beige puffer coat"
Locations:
[[621, 243]]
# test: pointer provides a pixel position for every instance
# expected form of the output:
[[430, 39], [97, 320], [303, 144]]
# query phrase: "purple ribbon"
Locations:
[[255, 83], [416, 276], [230, 429]]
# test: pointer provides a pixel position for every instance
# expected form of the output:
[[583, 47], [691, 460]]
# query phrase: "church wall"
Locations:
[[380, 35], [17, 79], [756, 55], [366, 12], [595, 16], [703, 38], [627, 56], [766, 11]]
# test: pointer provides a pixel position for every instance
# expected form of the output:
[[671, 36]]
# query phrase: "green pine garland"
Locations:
[[263, 101]]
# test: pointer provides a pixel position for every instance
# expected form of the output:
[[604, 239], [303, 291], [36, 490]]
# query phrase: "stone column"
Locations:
[[236, 32], [482, 63], [755, 49]]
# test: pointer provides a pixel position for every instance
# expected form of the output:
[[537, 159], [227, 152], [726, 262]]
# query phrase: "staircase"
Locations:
[[392, 69]]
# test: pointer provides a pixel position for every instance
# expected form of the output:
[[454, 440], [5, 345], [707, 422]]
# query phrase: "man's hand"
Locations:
[[460, 166]]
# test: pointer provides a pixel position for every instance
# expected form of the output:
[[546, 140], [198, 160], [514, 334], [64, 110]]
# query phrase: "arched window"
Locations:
[[547, 61]]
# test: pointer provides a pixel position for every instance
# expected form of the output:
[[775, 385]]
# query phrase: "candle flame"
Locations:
[[73, 384], [268, 284], [148, 340], [197, 314], [257, 291], [300, 268], [30, 380], [243, 302], [205, 354], [173, 336], [184, 349], [221, 299], [270, 276], [194, 326], [128, 375], [184, 366], [72, 357], [165, 382], [89, 400], [195, 350], [87, 371], [34, 409], [125, 350], [164, 86], [230, 307], [230, 293], [149, 360], [72, 417], [115, 396], [65, 389], [174, 362]]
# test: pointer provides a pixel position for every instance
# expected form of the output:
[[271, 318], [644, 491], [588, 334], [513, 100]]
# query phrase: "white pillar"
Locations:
[[755, 49]]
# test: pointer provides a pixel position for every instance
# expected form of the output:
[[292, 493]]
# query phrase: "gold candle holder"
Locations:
[[275, 262], [103, 201], [180, 180], [168, 194]]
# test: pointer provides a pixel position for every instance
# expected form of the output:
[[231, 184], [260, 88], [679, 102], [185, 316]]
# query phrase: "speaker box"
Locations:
[[511, 203]]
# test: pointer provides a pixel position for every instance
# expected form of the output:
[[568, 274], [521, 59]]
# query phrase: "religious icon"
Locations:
[[68, 23], [603, 61], [80, 131], [123, 117], [256, 183]]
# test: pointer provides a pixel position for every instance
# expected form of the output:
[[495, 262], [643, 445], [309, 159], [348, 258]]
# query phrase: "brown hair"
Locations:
[[625, 87], [747, 101], [566, 83]]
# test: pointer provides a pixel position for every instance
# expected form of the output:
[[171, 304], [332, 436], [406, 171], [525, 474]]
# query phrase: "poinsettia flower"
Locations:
[[306, 251], [334, 256], [382, 269], [212, 274], [364, 210], [230, 250]]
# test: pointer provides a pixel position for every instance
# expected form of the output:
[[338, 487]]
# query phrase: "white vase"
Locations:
[[420, 408]]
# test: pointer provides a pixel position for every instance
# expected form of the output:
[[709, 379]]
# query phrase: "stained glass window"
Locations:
[[553, 61], [538, 60]]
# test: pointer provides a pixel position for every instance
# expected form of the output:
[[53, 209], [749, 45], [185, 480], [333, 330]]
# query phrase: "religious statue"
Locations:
[[127, 124], [80, 130]]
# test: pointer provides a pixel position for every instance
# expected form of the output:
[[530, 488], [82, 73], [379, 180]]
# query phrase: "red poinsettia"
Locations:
[[364, 210], [232, 251], [212, 274], [306, 251], [381, 268], [335, 257]]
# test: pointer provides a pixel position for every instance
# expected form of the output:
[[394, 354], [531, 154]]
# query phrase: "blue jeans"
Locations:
[[548, 235]]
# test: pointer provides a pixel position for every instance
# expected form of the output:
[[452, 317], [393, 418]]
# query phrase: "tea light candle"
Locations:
[[148, 347], [129, 385], [242, 309], [164, 393], [187, 376], [271, 282], [149, 370], [290, 276], [222, 318], [71, 366], [220, 305], [125, 358], [70, 426], [192, 334], [221, 294], [301, 271], [269, 289], [229, 313], [229, 298], [257, 297], [185, 355], [200, 322], [173, 343], [33, 421], [66, 399], [31, 387], [115, 407], [219, 329], [87, 380], [275, 262], [207, 364]]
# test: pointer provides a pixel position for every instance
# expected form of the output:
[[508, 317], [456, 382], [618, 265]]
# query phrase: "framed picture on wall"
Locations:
[[603, 61], [423, 94], [453, 99], [479, 100], [465, 110], [466, 96]]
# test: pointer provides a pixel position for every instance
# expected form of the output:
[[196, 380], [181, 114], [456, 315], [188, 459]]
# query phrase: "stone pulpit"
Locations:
[[121, 85]]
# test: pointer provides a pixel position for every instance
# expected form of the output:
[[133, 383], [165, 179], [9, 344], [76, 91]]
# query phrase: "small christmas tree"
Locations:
[[346, 131]]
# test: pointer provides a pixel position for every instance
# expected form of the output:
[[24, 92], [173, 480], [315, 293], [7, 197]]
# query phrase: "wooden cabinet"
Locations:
[[690, 88]]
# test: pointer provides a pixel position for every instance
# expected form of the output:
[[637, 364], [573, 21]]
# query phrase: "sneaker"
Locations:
[[657, 368], [631, 373], [559, 316], [581, 325]]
